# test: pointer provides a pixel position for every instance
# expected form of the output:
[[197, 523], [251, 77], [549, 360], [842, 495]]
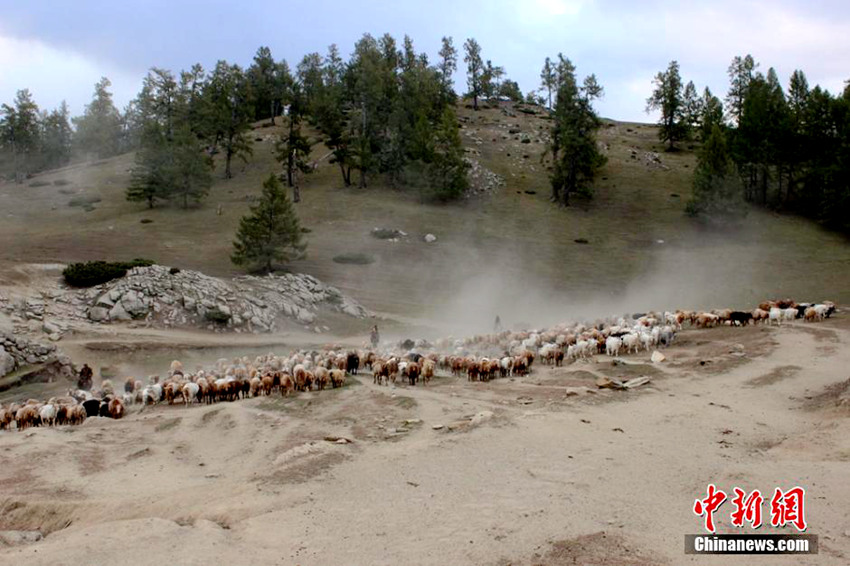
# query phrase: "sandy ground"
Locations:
[[537, 477]]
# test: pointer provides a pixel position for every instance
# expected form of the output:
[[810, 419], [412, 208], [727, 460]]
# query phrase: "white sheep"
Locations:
[[612, 346], [775, 314]]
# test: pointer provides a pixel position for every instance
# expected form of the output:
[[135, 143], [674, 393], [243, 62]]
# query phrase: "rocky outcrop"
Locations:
[[17, 352], [160, 296], [189, 298]]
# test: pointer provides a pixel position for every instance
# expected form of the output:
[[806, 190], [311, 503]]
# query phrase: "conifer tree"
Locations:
[[270, 233]]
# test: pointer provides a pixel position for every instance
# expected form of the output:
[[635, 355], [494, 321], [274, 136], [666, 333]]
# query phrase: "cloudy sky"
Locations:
[[59, 48]]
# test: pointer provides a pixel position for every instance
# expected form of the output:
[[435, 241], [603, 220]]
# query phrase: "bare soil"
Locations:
[[602, 478]]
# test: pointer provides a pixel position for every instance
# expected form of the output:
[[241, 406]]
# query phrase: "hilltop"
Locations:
[[505, 249]]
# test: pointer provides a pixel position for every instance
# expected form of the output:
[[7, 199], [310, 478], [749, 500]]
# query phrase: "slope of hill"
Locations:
[[507, 251]]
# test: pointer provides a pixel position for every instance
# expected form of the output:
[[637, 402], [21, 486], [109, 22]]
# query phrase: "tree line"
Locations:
[[386, 112], [785, 149]]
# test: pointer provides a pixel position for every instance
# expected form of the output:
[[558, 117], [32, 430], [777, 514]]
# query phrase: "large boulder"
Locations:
[[134, 304], [98, 314], [118, 312], [7, 362]]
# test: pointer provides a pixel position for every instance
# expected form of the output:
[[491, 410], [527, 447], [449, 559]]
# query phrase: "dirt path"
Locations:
[[598, 479]]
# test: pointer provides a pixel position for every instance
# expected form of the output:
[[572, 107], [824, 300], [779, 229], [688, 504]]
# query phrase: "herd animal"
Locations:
[[479, 358]]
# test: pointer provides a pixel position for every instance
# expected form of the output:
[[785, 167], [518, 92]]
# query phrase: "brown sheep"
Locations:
[[254, 386], [287, 384], [267, 382], [337, 377], [379, 372], [322, 378], [6, 418], [427, 370], [412, 370], [811, 315], [26, 417], [116, 408]]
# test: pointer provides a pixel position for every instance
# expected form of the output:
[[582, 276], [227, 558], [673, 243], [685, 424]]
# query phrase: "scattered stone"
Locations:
[[636, 382], [658, 357], [609, 383], [50, 327], [440, 427], [430, 238]]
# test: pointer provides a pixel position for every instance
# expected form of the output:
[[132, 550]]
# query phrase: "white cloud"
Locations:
[[53, 75]]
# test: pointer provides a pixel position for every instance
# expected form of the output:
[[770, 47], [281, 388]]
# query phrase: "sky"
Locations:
[[60, 48]]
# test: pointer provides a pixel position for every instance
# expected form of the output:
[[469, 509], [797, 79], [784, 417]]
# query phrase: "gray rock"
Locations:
[[50, 327], [306, 316], [7, 362], [430, 238], [118, 312], [134, 304], [98, 314], [105, 301]]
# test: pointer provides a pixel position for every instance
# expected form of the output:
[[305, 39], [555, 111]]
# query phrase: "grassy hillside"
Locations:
[[509, 252]]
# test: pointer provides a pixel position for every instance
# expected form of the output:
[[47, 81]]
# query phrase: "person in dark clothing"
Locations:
[[497, 326], [85, 380], [375, 336]]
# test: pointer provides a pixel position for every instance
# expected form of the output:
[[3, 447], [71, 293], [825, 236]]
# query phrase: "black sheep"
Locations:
[[741, 317], [92, 407], [352, 363]]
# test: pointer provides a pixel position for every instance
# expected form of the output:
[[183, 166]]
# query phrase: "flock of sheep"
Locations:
[[480, 358]]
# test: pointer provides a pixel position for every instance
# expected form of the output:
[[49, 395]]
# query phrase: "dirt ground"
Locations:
[[525, 471]]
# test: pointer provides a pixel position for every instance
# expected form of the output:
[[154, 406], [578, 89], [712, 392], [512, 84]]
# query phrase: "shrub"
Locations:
[[358, 259], [386, 233], [217, 315], [93, 273], [39, 184], [83, 200], [61, 182]]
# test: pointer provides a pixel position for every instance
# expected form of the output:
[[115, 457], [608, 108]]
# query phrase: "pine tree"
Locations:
[[99, 128], [716, 185], [667, 97], [573, 145], [20, 133], [740, 73], [293, 149], [449, 169], [56, 136], [270, 233], [548, 79], [474, 70], [171, 161], [229, 113], [711, 114], [447, 67], [692, 109]]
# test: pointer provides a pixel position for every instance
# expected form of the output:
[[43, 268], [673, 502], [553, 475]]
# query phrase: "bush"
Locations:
[[61, 182], [39, 184], [93, 273], [216, 315], [386, 233], [357, 259], [83, 200]]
